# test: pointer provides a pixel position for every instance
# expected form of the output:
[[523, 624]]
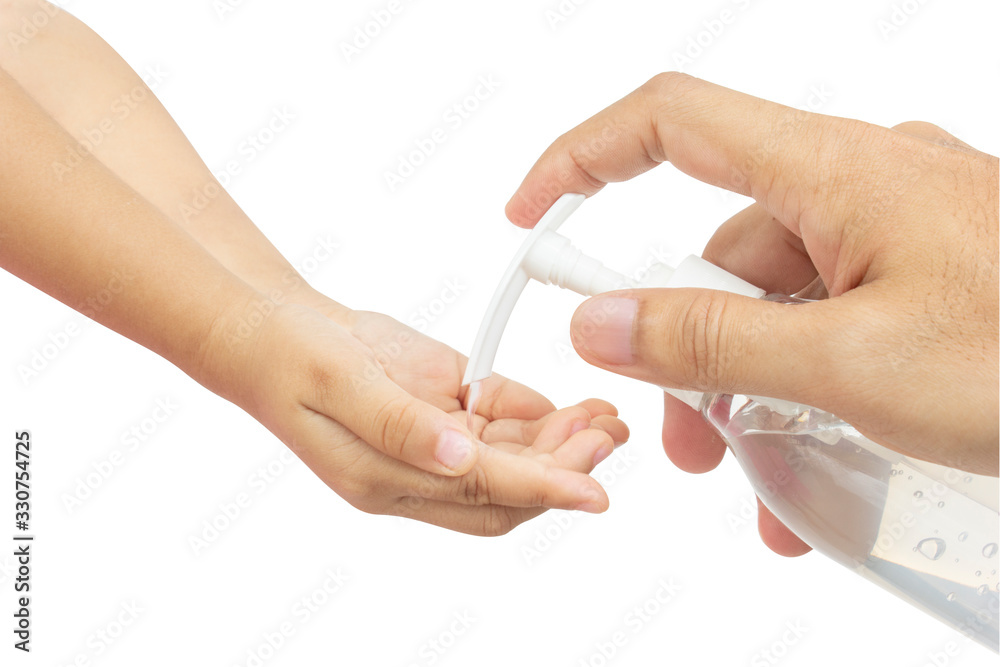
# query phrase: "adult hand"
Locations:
[[898, 227], [375, 410]]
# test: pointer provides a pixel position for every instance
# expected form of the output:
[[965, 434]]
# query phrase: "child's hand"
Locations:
[[363, 400], [375, 409]]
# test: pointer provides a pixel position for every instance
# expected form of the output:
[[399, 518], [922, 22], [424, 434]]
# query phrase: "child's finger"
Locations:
[[563, 425], [500, 478], [506, 399], [583, 451], [597, 407], [613, 426], [526, 432]]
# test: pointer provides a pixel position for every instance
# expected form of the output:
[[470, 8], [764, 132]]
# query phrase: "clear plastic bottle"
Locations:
[[927, 533]]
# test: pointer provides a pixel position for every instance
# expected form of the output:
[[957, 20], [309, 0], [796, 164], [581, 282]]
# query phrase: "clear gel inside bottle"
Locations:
[[927, 533]]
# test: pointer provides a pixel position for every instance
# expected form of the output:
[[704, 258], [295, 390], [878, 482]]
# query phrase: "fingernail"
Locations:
[[453, 449], [602, 329], [601, 454]]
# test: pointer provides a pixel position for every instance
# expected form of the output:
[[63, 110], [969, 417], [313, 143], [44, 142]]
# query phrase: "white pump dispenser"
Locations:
[[548, 258], [551, 258], [925, 532]]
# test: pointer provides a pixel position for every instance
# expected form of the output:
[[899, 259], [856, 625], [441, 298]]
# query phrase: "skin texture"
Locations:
[[894, 230], [211, 294]]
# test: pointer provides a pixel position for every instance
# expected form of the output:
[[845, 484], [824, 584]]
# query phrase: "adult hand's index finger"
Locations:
[[717, 135]]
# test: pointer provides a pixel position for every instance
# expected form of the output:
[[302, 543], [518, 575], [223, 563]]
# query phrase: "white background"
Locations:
[[324, 176]]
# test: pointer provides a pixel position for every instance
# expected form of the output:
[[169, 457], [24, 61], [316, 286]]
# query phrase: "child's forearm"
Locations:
[[141, 143], [74, 237]]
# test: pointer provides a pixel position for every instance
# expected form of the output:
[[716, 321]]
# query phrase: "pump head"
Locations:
[[550, 258]]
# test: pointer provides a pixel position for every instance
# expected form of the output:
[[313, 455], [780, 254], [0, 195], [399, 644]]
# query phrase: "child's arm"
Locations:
[[368, 429], [79, 80], [74, 236]]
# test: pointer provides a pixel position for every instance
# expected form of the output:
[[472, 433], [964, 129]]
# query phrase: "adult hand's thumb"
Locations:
[[703, 340]]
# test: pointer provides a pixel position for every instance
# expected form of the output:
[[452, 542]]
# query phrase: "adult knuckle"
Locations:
[[701, 339], [846, 163], [581, 159], [673, 99], [669, 84], [841, 146]]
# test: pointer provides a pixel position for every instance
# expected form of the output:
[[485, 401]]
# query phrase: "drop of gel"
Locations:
[[979, 573], [940, 504], [472, 404], [918, 494], [990, 550], [950, 597], [932, 547], [982, 590], [962, 536]]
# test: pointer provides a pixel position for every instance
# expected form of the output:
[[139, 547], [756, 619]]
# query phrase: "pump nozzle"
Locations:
[[549, 258]]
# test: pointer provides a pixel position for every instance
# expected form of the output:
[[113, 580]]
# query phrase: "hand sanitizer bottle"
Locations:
[[925, 532]]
